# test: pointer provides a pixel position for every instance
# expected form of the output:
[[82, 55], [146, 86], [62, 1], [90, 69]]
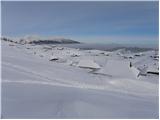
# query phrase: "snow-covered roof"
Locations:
[[119, 68], [152, 69], [75, 55], [53, 58], [138, 54], [143, 70], [128, 56], [88, 64]]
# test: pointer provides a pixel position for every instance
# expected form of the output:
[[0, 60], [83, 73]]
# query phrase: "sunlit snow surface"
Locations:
[[34, 87]]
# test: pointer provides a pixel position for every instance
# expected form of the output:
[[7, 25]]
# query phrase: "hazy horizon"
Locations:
[[90, 22]]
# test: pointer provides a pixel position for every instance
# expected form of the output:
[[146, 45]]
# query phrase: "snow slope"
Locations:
[[33, 87], [118, 68]]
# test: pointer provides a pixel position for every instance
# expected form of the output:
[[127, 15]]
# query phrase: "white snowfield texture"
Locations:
[[118, 68], [34, 87]]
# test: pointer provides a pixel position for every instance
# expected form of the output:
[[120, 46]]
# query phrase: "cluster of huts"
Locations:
[[118, 68]]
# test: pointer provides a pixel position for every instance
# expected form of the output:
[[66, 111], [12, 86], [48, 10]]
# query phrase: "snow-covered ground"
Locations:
[[45, 81]]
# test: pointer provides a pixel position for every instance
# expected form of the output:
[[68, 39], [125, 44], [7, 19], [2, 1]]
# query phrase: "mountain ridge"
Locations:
[[40, 40]]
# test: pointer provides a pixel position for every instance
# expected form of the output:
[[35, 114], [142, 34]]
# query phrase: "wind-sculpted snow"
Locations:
[[93, 82], [34, 87]]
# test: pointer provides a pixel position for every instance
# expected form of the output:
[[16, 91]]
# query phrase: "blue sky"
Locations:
[[93, 22]]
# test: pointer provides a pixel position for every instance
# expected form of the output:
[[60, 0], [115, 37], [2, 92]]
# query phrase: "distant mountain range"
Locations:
[[40, 40]]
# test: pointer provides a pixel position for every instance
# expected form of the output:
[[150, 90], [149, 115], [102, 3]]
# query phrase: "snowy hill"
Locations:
[[35, 87]]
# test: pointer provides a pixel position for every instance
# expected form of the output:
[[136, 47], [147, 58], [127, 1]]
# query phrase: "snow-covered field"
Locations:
[[45, 81]]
